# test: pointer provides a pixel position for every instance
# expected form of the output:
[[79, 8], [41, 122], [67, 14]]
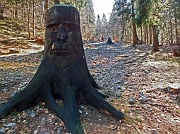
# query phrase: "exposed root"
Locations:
[[96, 100]]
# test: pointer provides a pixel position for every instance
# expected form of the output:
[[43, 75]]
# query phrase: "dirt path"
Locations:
[[142, 84], [19, 46]]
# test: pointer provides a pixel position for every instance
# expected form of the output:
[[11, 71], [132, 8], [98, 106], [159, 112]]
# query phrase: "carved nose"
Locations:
[[61, 36]]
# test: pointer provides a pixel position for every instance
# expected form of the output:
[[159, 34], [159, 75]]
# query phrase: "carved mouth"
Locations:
[[61, 50]]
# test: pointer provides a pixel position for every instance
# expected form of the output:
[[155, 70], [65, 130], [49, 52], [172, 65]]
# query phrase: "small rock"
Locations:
[[11, 125], [118, 87], [59, 130], [141, 94], [127, 75], [10, 131], [154, 131], [4, 83], [46, 111], [118, 93], [36, 131], [32, 113], [2, 131], [4, 90], [143, 100], [43, 121], [145, 71], [131, 100]]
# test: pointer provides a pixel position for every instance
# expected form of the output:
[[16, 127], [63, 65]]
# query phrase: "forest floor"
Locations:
[[14, 41], [142, 84]]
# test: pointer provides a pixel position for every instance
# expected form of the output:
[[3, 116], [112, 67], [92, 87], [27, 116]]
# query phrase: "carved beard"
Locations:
[[65, 53]]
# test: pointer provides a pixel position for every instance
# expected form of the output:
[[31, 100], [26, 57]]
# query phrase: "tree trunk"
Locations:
[[46, 5], [125, 35], [145, 34], [177, 33], [13, 14], [150, 34], [168, 35], [141, 33], [171, 33], [34, 29], [1, 11], [29, 23], [155, 39], [122, 34], [16, 10], [135, 37], [22, 11]]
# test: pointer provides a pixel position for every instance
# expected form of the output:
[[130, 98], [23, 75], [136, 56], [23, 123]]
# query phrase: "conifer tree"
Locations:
[[88, 21], [104, 27], [98, 28]]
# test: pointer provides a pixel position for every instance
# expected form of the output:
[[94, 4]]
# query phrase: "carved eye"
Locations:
[[52, 28], [55, 29]]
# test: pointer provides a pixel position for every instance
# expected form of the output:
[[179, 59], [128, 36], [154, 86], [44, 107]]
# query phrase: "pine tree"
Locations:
[[118, 19], [104, 27], [98, 33], [88, 21]]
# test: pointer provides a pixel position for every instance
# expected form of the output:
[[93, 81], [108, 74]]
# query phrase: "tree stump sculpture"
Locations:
[[109, 41], [62, 74]]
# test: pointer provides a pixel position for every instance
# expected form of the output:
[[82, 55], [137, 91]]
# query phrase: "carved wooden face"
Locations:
[[61, 47]]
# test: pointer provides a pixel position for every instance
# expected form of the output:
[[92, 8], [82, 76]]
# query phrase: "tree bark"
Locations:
[[145, 33], [141, 33], [155, 39], [1, 11], [16, 10], [29, 24], [177, 32], [46, 5], [122, 34], [150, 34], [34, 29], [135, 37], [171, 33]]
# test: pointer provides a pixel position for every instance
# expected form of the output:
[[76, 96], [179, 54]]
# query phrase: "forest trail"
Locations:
[[13, 41], [19, 46], [143, 84]]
